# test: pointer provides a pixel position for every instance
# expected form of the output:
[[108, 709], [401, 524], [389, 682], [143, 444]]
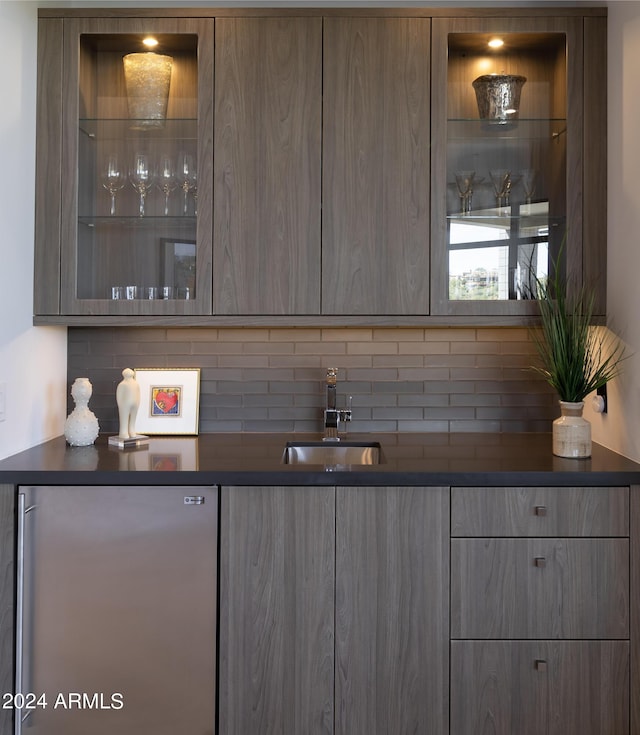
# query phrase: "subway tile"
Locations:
[[425, 373], [351, 334], [396, 412], [246, 361], [407, 379], [398, 334], [398, 387], [425, 400], [397, 361], [426, 425], [295, 334]]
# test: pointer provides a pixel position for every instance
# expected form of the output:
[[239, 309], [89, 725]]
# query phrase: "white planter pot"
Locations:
[[571, 432]]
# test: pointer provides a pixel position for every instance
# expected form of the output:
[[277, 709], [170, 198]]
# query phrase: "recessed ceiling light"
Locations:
[[150, 42], [496, 43]]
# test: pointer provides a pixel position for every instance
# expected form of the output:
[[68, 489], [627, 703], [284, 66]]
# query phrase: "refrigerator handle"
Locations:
[[22, 512]]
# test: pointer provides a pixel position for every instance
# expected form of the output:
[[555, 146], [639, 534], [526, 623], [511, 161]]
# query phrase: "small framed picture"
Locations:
[[169, 400]]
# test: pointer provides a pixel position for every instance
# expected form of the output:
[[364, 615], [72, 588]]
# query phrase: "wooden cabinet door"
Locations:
[[376, 142], [540, 588], [392, 569], [277, 552], [539, 687], [268, 92]]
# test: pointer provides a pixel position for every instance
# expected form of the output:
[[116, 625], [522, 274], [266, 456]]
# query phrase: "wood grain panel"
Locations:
[[500, 589], [48, 165], [541, 511], [595, 160], [375, 233], [267, 166], [276, 610], [635, 609], [7, 592], [391, 610], [531, 688]]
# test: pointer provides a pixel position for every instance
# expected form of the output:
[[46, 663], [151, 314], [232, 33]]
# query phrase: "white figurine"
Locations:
[[81, 427], [128, 400]]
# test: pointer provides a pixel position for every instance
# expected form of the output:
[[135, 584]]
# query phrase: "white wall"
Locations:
[[620, 429], [32, 360]]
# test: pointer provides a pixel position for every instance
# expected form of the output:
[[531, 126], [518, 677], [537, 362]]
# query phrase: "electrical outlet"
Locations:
[[3, 398]]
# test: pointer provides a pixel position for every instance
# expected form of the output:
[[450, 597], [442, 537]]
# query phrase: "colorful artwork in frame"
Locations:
[[169, 401]]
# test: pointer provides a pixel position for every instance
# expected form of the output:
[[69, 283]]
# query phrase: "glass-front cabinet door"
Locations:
[[137, 145], [507, 177]]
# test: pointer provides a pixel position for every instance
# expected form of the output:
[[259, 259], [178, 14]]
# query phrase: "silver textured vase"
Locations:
[[571, 432]]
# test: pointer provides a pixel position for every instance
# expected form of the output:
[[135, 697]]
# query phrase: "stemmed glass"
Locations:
[[112, 179], [465, 181], [501, 179], [529, 176], [142, 178], [167, 180], [187, 176]]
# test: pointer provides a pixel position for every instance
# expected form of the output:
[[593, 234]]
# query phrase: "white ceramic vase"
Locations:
[[81, 427], [571, 432]]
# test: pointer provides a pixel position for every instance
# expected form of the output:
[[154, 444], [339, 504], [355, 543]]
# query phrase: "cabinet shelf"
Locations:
[[180, 129], [130, 223], [518, 130]]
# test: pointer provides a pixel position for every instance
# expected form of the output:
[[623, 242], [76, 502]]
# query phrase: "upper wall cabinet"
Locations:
[[520, 161], [267, 166], [297, 167], [376, 136], [124, 186]]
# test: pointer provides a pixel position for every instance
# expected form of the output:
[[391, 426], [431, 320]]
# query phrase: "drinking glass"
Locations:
[[529, 176], [113, 179], [167, 180], [187, 176], [501, 179], [464, 180], [142, 177]]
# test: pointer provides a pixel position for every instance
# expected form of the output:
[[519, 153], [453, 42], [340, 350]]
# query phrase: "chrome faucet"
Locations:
[[333, 415]]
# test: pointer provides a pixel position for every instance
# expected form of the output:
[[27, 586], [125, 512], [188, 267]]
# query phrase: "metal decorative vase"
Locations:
[[571, 432], [498, 97]]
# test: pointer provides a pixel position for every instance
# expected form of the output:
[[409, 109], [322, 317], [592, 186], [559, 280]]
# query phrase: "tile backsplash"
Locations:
[[272, 379]]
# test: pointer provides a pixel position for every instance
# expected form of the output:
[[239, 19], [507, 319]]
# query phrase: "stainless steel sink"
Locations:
[[333, 453]]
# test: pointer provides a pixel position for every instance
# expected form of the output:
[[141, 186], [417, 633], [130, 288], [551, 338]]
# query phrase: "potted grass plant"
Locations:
[[576, 359]]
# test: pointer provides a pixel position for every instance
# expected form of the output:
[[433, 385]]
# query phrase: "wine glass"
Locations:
[[465, 181], [187, 176], [142, 177], [529, 176], [113, 179], [167, 180], [501, 179]]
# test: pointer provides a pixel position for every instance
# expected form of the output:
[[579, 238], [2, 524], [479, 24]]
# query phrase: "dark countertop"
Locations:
[[256, 459]]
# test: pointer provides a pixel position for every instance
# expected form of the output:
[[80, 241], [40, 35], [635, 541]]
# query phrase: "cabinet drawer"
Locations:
[[539, 588], [540, 511], [540, 687]]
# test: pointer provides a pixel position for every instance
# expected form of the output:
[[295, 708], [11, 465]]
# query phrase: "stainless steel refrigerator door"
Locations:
[[119, 622]]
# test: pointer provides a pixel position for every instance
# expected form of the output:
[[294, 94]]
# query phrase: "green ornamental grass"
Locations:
[[576, 358]]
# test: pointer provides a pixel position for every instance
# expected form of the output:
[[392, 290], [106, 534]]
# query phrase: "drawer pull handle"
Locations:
[[541, 510], [540, 665], [540, 561]]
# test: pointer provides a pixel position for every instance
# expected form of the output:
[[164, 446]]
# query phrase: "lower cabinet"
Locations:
[[539, 687], [333, 610], [540, 611]]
